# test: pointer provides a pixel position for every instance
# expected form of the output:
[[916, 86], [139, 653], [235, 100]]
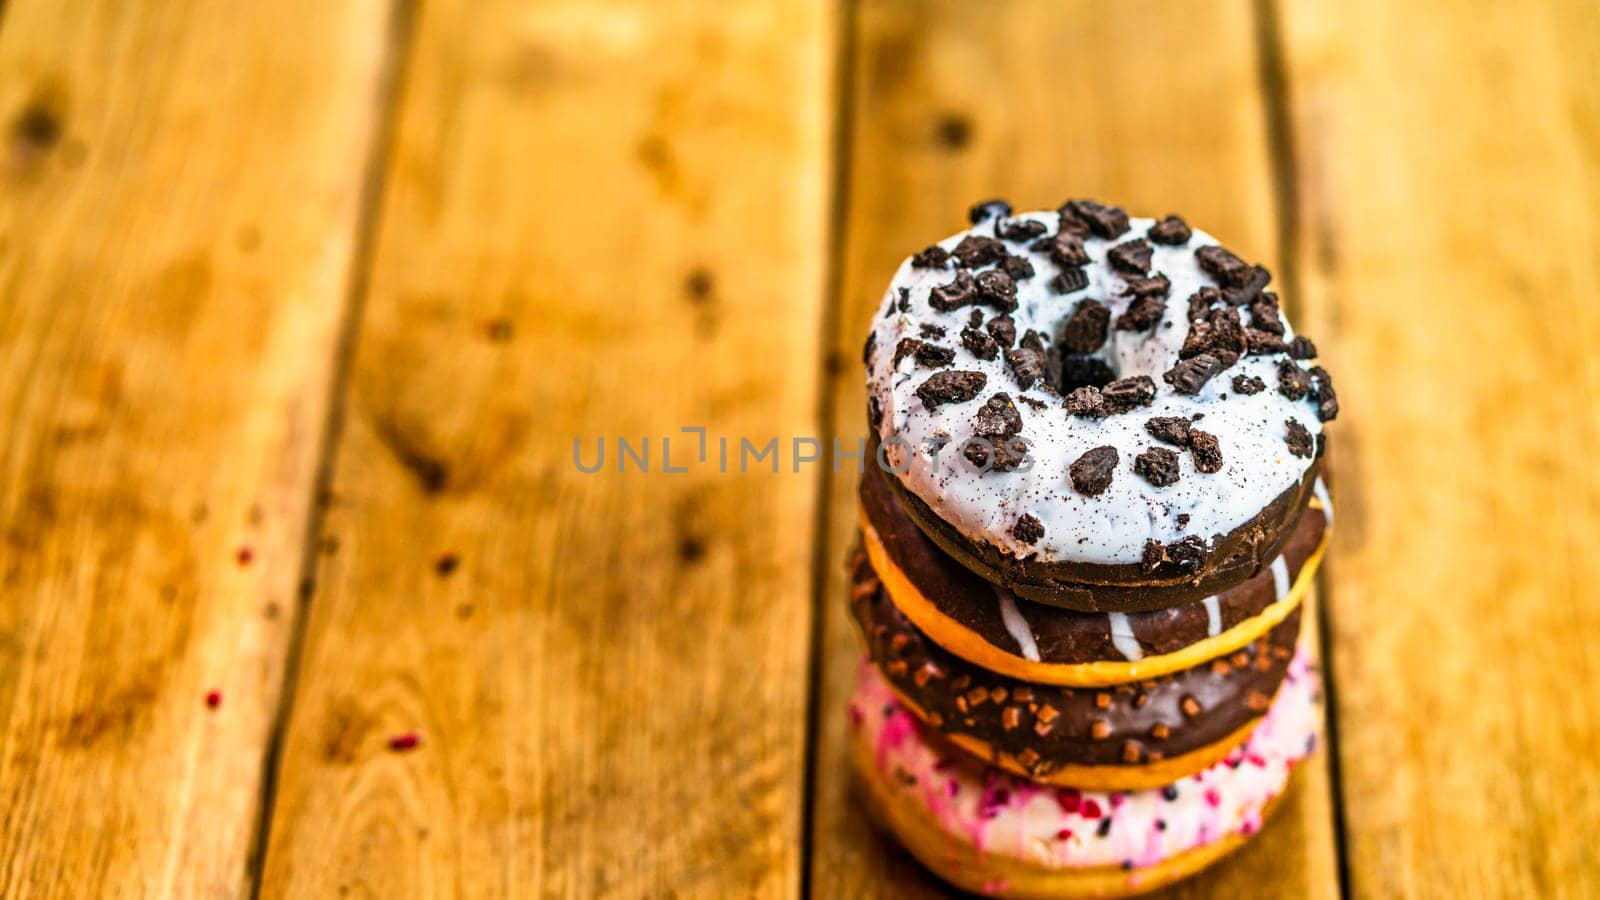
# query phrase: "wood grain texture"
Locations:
[[1037, 102], [179, 197], [1448, 176], [603, 220]]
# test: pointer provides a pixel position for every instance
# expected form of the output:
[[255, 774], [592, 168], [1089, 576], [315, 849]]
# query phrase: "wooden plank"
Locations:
[[1446, 176], [604, 220], [180, 190], [1038, 102]]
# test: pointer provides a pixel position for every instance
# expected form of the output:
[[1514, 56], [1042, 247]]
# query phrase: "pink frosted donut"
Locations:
[[987, 831]]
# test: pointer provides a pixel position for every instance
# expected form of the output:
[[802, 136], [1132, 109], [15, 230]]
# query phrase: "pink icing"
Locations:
[[1009, 816]]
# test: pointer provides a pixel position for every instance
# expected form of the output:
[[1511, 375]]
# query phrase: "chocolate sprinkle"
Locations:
[[1132, 257], [1248, 384], [1158, 465], [1028, 530], [1190, 375], [1091, 472], [950, 387], [1171, 231], [1206, 450], [1169, 429], [1085, 330], [1298, 438]]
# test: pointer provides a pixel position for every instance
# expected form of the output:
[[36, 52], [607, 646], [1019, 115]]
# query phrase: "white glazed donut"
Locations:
[[1037, 527]]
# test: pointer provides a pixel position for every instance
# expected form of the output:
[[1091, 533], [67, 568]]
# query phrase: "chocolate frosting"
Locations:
[[1228, 560], [1064, 636], [1046, 727]]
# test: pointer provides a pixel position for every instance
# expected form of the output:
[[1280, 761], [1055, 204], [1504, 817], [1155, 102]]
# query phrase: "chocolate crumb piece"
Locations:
[[1201, 301], [988, 209], [1188, 553], [998, 417], [950, 387], [1129, 393], [1142, 314], [1248, 288], [1206, 450], [1248, 384], [1091, 472], [1065, 249], [1172, 231], [1183, 520], [1070, 280], [934, 356], [930, 330], [904, 303], [1228, 269], [1034, 402], [1322, 392], [1078, 371], [976, 251], [1302, 348], [995, 454], [1085, 330], [869, 348], [1103, 221], [1264, 314], [963, 291], [1018, 268], [979, 343], [1104, 828], [1293, 381], [1169, 794], [1132, 257], [1157, 285], [1019, 230], [906, 347], [1263, 343], [1169, 429], [1085, 402], [974, 318], [1298, 438], [1027, 366], [996, 289], [1131, 752], [1190, 375], [932, 257], [1099, 729], [1158, 465], [1028, 529], [1190, 706], [874, 413], [1003, 329]]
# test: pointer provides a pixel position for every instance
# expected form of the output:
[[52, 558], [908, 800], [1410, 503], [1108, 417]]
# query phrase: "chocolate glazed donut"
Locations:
[[1123, 737]]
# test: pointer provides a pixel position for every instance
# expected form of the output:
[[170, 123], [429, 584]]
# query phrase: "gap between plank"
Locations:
[[402, 26], [828, 328], [1286, 198]]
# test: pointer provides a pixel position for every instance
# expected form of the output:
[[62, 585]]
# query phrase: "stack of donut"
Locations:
[[1087, 531]]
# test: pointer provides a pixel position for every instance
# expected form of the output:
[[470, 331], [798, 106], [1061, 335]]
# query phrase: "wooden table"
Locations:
[[303, 305]]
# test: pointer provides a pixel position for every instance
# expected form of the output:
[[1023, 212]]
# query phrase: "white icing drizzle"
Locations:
[[1280, 577], [1113, 526], [1321, 490], [1213, 616], [1017, 626], [1122, 636]]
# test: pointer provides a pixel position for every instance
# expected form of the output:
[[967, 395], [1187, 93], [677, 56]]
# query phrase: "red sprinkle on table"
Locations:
[[405, 741], [244, 555], [213, 699]]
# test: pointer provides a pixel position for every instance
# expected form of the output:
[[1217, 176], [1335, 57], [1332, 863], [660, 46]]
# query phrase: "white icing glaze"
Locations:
[[1214, 616], [1122, 637], [1111, 527], [1002, 814], [1017, 626], [1280, 577], [1321, 490]]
